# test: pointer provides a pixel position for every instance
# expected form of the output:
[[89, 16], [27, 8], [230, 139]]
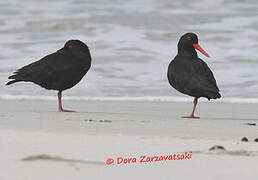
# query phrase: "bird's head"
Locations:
[[189, 42], [76, 45]]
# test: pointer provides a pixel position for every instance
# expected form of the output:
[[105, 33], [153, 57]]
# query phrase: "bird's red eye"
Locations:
[[189, 38], [70, 46]]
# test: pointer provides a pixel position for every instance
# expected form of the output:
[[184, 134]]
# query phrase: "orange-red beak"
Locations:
[[199, 48]]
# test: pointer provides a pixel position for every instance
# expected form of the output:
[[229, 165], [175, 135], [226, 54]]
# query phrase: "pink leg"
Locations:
[[192, 114], [60, 103]]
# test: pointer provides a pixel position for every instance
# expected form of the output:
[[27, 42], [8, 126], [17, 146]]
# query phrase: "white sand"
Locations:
[[76, 145]]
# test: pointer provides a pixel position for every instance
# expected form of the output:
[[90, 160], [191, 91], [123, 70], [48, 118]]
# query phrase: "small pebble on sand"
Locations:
[[216, 147], [244, 139], [251, 124]]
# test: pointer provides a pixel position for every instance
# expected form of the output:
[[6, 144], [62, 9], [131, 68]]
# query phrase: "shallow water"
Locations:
[[132, 43]]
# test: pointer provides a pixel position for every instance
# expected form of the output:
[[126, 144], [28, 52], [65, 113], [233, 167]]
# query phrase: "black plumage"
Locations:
[[189, 74], [58, 71]]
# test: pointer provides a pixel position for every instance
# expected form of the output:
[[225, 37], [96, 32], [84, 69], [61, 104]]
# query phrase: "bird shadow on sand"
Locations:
[[92, 120], [118, 113], [228, 152], [108, 121], [230, 118], [45, 157], [102, 112]]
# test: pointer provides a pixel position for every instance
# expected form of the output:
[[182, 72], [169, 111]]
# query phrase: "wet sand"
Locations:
[[37, 142]]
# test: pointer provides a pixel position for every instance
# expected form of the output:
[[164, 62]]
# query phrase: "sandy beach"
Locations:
[[37, 142], [127, 123]]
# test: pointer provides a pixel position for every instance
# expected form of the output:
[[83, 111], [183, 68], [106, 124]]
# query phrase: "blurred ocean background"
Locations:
[[131, 42]]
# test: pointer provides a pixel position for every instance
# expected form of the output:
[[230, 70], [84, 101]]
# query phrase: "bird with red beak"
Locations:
[[189, 74]]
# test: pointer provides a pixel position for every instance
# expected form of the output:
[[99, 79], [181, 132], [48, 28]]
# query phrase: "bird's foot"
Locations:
[[65, 110], [191, 117]]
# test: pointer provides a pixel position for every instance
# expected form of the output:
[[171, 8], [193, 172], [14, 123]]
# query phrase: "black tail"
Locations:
[[217, 96], [214, 96], [12, 81]]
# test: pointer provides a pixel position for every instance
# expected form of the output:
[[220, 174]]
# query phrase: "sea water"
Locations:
[[131, 43]]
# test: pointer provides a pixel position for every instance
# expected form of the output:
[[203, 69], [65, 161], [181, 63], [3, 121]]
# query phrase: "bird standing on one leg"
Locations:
[[58, 71], [189, 74]]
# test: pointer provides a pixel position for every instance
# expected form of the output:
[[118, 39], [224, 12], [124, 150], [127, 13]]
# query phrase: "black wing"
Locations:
[[56, 71], [204, 80], [193, 78]]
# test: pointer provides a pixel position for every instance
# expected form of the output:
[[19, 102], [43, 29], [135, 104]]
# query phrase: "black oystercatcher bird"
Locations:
[[189, 74], [58, 71]]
